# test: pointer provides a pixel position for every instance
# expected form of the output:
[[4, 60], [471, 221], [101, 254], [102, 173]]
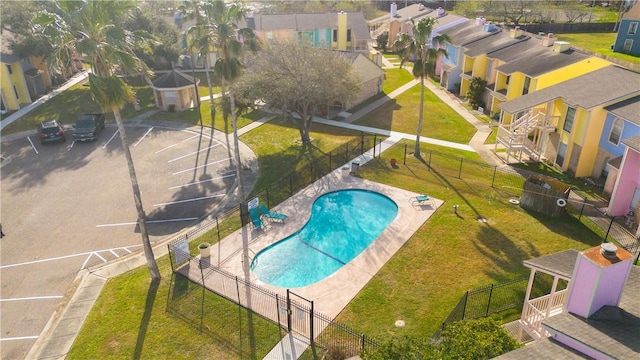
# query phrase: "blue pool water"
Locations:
[[342, 224]]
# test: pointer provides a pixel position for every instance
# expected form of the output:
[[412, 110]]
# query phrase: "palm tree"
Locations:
[[426, 52], [200, 38], [90, 28], [229, 42]]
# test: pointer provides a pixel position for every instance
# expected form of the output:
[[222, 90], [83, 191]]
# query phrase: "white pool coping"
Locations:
[[332, 294]]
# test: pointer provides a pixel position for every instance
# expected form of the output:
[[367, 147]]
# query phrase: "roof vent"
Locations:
[[488, 27], [608, 250], [394, 10], [561, 46], [480, 21], [440, 11]]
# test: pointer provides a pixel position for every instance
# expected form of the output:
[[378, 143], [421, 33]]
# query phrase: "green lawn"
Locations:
[[191, 116], [599, 43], [449, 254], [401, 114]]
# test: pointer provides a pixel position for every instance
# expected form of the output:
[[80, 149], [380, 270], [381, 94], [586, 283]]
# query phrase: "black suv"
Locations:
[[88, 127], [51, 131]]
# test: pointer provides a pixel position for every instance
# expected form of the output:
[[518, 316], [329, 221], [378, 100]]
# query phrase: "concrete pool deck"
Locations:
[[332, 294]]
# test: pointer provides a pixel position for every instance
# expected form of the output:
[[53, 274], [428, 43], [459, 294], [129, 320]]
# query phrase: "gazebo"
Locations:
[[175, 91]]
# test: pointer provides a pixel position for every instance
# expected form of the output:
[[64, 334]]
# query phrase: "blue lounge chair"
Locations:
[[423, 200], [255, 219], [271, 214]]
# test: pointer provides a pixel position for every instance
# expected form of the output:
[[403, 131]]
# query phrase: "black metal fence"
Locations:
[[290, 312], [620, 229], [502, 178], [487, 300], [317, 165]]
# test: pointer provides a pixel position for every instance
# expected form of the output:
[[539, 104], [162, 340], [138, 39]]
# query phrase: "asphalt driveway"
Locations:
[[69, 206]]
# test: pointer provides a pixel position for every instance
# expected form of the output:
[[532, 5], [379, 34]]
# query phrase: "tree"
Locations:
[[201, 39], [382, 41], [300, 80], [475, 339], [162, 53], [91, 28], [476, 89], [426, 52], [230, 43]]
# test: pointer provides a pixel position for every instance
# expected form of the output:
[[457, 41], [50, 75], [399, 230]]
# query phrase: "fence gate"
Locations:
[[300, 315]]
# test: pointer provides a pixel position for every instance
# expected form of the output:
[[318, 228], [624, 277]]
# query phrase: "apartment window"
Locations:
[[627, 45], [568, 120], [633, 28], [508, 78], [269, 35], [616, 130], [527, 83], [335, 35]]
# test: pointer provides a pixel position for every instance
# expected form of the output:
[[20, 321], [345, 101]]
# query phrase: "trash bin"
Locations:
[[345, 171], [354, 168]]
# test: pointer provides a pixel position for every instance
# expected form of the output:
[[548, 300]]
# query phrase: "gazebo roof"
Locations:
[[174, 80], [560, 264]]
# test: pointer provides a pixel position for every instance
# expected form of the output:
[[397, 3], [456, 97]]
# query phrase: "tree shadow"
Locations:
[[146, 317]]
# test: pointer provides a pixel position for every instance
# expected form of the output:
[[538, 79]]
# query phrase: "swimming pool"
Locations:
[[342, 224]]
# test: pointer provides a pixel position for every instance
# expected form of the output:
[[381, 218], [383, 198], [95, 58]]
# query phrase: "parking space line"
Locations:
[[197, 167], [49, 297], [98, 255], [114, 253], [200, 182], [189, 200], [33, 146], [44, 260], [176, 144], [111, 138], [19, 338], [193, 153], [148, 222], [143, 136]]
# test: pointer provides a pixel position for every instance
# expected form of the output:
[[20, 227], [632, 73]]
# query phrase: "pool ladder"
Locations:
[[251, 258]]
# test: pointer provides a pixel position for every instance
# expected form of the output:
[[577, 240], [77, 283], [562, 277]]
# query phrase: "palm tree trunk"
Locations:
[[236, 143], [416, 151], [212, 105], [148, 251]]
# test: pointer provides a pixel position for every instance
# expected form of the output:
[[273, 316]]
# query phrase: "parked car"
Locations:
[[88, 127], [51, 131]]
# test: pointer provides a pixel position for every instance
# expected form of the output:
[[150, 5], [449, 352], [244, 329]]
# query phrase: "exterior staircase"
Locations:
[[515, 136]]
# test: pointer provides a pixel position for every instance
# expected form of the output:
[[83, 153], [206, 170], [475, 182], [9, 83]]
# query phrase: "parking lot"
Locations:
[[69, 206]]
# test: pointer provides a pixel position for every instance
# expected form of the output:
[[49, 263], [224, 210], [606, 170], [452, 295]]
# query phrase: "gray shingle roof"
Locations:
[[490, 44], [534, 59], [543, 350], [174, 80], [462, 34], [633, 143], [560, 263], [611, 330], [599, 87], [628, 109]]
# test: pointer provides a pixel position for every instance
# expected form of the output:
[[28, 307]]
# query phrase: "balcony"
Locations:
[[537, 310]]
